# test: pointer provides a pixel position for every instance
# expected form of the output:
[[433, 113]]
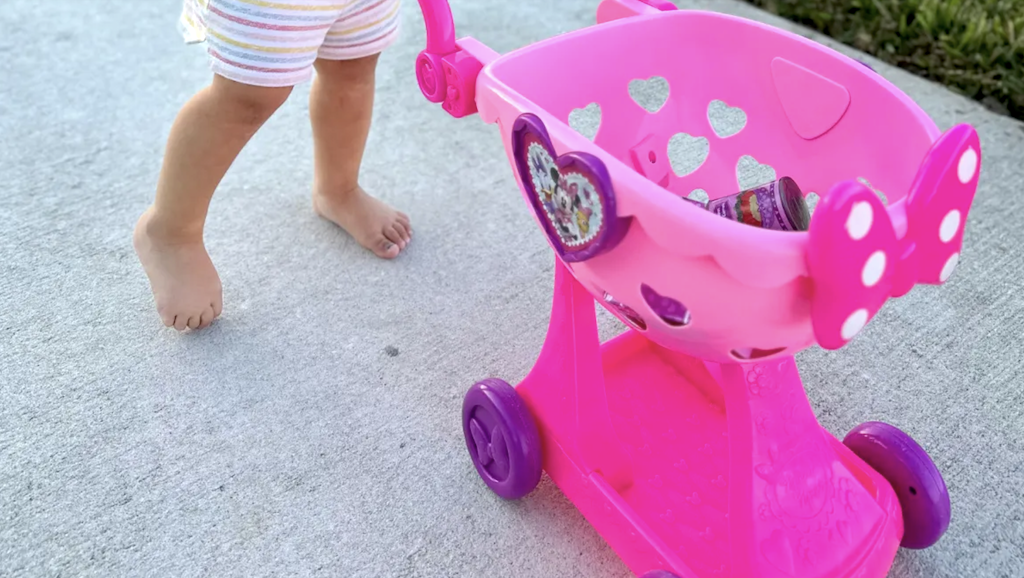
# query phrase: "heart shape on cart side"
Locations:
[[571, 194]]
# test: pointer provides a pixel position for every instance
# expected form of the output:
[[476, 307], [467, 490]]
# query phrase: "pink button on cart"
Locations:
[[688, 442]]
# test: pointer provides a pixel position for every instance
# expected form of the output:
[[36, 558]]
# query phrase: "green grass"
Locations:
[[975, 47]]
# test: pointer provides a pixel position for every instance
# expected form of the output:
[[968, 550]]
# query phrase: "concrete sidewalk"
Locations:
[[314, 429]]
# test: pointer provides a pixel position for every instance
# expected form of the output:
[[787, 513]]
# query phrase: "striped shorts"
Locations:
[[274, 43]]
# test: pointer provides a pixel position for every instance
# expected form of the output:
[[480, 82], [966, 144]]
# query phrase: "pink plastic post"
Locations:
[[572, 355], [792, 501], [460, 71]]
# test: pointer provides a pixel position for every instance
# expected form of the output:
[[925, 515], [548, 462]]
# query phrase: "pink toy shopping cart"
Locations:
[[688, 442]]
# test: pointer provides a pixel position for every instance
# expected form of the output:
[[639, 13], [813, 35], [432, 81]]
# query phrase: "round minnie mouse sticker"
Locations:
[[571, 193]]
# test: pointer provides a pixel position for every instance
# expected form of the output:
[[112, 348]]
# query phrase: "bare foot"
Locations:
[[371, 222], [184, 282]]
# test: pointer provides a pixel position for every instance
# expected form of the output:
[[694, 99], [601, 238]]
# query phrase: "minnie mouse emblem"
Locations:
[[571, 194]]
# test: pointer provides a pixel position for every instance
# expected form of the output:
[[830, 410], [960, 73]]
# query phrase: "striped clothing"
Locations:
[[274, 43]]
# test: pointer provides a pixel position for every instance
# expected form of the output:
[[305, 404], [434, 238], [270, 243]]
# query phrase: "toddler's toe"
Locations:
[[387, 250], [180, 322], [206, 318], [391, 234], [404, 231], [395, 236]]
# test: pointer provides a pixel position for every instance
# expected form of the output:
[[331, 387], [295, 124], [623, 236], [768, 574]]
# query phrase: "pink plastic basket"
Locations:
[[812, 114], [717, 308]]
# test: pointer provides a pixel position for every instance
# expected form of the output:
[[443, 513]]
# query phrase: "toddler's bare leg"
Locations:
[[207, 135], [340, 107]]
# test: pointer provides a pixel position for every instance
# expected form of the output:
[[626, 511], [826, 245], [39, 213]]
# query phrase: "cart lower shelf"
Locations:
[[671, 418], [700, 469], [678, 439]]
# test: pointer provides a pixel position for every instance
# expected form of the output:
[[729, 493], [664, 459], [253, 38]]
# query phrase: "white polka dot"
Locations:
[[854, 323], [859, 222], [950, 225], [874, 267], [949, 267], [967, 166]]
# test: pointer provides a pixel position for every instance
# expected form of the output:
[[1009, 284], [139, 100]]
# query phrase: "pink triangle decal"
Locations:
[[814, 104]]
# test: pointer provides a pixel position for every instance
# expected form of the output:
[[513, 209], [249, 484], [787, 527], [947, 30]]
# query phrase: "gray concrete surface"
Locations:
[[314, 430]]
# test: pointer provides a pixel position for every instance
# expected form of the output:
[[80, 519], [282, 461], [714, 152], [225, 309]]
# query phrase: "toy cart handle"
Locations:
[[447, 70], [437, 15]]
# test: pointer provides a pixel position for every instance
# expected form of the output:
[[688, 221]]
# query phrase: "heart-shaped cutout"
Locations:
[[627, 312], [687, 153], [672, 312], [812, 200], [571, 194], [726, 120], [751, 174], [650, 94], [699, 195], [752, 353], [586, 120], [881, 196]]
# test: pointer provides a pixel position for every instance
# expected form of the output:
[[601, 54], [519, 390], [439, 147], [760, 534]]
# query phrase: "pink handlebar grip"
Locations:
[[440, 26], [437, 16], [446, 71]]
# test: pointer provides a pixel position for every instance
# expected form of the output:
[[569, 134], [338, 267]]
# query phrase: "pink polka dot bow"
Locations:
[[860, 255]]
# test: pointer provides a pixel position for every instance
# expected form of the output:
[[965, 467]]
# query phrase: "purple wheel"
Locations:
[[922, 492], [502, 438], [659, 574]]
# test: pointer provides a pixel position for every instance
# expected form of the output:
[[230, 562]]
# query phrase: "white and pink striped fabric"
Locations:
[[274, 43]]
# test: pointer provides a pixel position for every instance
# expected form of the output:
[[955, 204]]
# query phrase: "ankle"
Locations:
[[337, 192], [160, 229]]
